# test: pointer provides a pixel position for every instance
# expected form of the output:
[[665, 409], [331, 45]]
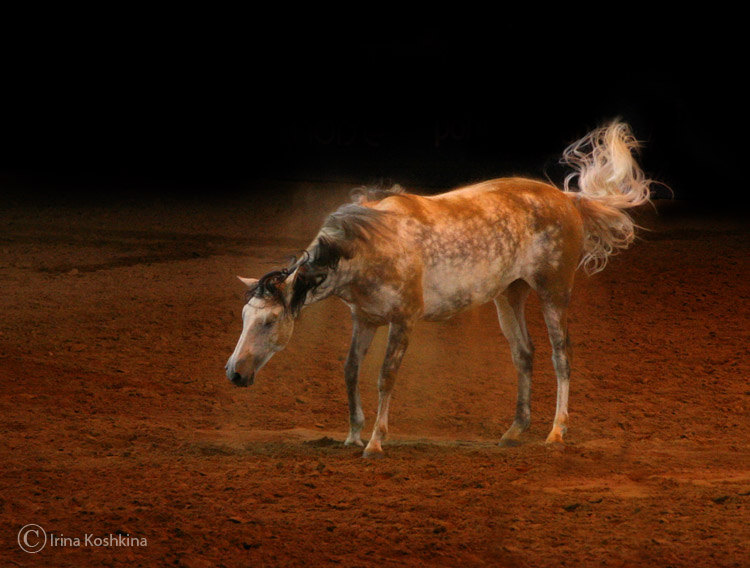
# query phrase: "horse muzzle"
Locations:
[[241, 380], [237, 378]]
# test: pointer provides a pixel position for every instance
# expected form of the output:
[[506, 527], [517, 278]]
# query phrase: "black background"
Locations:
[[107, 103]]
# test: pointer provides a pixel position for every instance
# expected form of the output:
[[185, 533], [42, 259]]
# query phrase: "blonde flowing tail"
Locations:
[[606, 182]]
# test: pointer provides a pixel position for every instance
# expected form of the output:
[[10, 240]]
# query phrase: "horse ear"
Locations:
[[249, 282]]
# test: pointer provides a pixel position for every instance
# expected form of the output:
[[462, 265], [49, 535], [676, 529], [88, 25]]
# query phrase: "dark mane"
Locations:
[[268, 285], [337, 240], [326, 255]]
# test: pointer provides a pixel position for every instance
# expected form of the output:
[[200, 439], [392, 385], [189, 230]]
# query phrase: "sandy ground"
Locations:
[[117, 320]]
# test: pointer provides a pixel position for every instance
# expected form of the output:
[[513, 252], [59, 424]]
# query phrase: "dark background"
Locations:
[[199, 106]]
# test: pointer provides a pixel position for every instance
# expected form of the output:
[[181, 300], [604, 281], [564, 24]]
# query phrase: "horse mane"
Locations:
[[313, 271], [268, 285], [342, 231], [350, 224]]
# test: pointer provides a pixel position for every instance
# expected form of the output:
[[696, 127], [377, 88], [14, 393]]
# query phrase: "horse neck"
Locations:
[[336, 279]]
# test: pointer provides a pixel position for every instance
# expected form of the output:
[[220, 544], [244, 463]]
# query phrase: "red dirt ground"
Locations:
[[117, 417]]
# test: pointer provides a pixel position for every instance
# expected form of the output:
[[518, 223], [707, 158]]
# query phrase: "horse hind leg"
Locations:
[[510, 310], [555, 310]]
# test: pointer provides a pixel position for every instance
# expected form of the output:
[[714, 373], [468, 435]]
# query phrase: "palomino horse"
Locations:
[[397, 258]]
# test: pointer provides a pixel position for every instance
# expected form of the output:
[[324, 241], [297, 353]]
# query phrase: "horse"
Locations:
[[396, 258]]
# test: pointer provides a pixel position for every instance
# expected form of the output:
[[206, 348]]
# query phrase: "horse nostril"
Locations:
[[236, 377]]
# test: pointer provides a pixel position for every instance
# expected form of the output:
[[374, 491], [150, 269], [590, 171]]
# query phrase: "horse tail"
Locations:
[[608, 181]]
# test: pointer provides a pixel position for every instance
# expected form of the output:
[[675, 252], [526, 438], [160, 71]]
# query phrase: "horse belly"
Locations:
[[450, 289]]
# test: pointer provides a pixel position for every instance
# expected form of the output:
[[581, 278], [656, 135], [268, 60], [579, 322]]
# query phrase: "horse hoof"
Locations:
[[510, 443], [555, 438], [359, 443]]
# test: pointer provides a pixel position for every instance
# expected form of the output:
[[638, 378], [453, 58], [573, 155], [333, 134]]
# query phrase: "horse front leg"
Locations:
[[362, 334], [398, 340]]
